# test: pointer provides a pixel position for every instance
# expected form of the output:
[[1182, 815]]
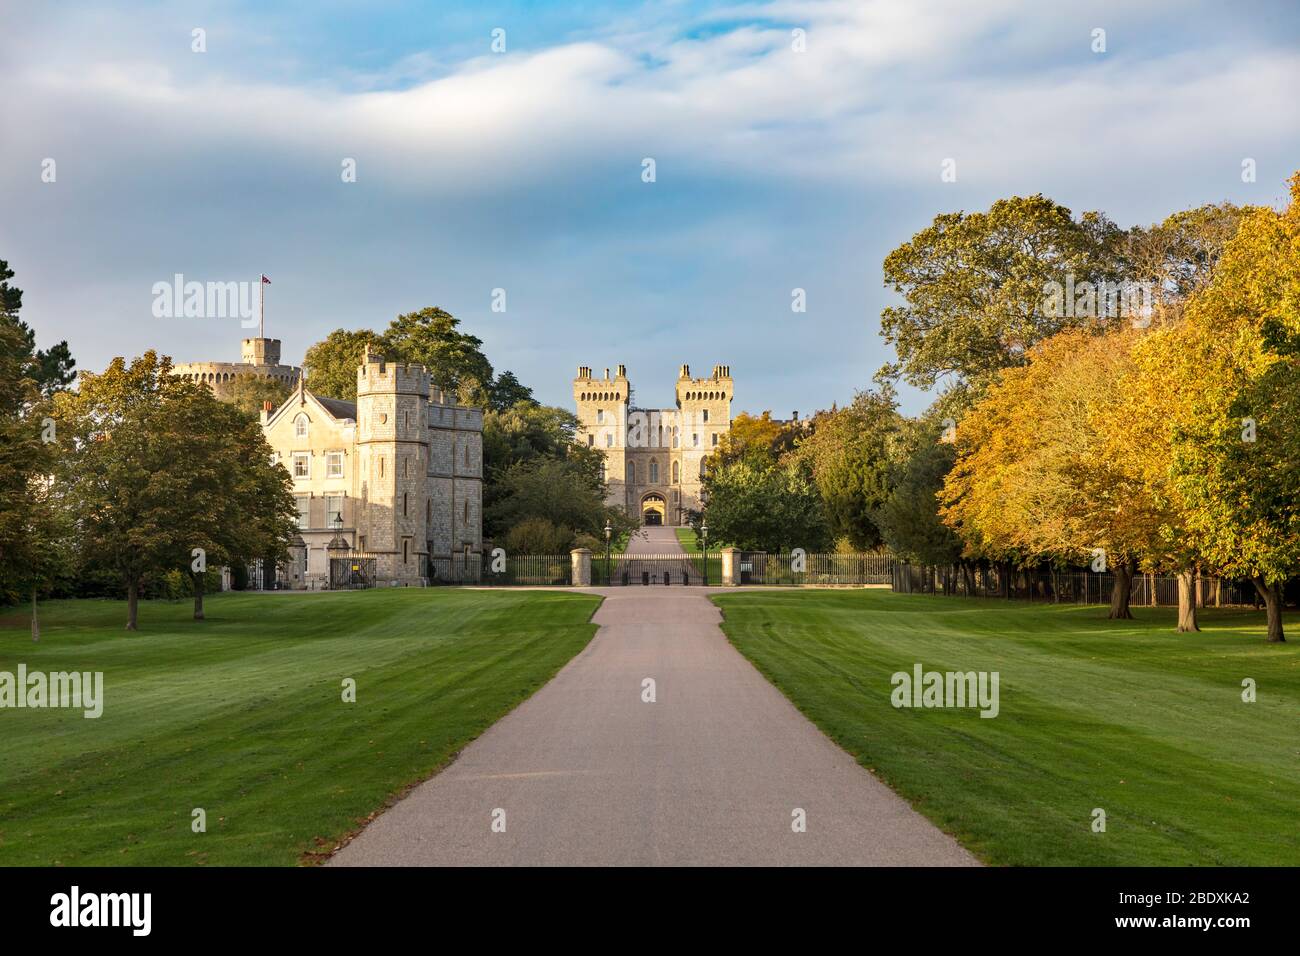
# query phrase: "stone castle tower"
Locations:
[[654, 458], [260, 357], [393, 466]]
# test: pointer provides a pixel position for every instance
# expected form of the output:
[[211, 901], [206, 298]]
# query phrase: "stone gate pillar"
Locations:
[[730, 567], [581, 558]]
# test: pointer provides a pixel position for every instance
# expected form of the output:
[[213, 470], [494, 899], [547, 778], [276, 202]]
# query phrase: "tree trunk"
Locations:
[[36, 624], [968, 575], [1121, 592], [1004, 579], [1186, 602], [1272, 595], [198, 597], [132, 604]]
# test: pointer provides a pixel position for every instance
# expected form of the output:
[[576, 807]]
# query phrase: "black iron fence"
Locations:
[[1062, 587], [758, 567]]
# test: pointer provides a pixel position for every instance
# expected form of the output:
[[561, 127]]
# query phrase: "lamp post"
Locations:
[[337, 547], [608, 531], [704, 546]]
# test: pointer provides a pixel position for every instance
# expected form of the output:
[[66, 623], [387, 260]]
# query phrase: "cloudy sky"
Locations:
[[776, 168]]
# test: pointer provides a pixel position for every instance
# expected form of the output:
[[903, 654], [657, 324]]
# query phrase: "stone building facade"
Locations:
[[654, 458], [393, 481], [260, 357]]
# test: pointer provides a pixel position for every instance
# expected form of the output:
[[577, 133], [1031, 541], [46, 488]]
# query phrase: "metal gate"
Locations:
[[352, 572], [656, 570]]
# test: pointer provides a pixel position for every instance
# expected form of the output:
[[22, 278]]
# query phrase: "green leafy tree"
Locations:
[[248, 393], [152, 466], [52, 368], [233, 505], [431, 337], [567, 492], [848, 454], [909, 518], [331, 364], [507, 392], [973, 287], [33, 534], [765, 507]]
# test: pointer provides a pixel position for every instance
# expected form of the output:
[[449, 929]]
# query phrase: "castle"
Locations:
[[260, 357], [390, 486], [654, 459]]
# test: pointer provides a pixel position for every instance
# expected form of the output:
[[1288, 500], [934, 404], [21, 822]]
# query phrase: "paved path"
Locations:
[[589, 774]]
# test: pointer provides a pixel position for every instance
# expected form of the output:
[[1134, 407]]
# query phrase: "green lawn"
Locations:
[[1130, 717], [242, 715]]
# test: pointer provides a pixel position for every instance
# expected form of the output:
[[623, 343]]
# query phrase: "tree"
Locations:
[[538, 536], [759, 439], [331, 364], [32, 534], [973, 286], [455, 359], [508, 391], [233, 506], [1024, 451], [1233, 362], [249, 393], [847, 454], [52, 368], [152, 466], [760, 506], [909, 517], [526, 431], [567, 492]]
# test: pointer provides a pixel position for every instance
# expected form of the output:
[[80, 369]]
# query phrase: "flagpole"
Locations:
[[261, 306]]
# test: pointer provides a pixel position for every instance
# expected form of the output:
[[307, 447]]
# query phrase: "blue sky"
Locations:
[[521, 170]]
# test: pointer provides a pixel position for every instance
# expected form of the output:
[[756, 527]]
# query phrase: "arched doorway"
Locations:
[[652, 510]]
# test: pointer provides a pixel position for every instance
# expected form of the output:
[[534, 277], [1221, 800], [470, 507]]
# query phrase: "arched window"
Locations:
[[654, 472], [676, 472], [631, 472], [300, 426]]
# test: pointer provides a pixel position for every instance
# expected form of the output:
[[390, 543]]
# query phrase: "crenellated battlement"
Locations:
[[375, 376]]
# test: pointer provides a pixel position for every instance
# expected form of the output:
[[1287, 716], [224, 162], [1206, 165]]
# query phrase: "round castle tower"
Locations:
[[260, 357]]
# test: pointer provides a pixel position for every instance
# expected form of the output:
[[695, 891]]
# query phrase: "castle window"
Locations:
[[706, 414], [428, 510], [381, 466], [631, 472], [703, 471], [695, 439], [654, 472], [609, 439], [600, 416], [591, 441], [676, 438], [467, 455], [715, 439], [334, 464], [300, 426], [405, 498], [406, 550], [301, 464], [466, 512], [676, 472]]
